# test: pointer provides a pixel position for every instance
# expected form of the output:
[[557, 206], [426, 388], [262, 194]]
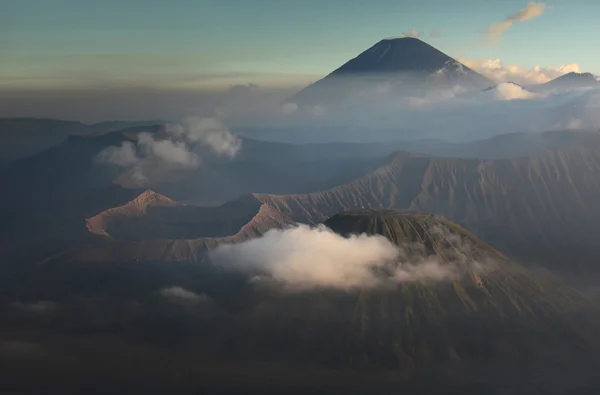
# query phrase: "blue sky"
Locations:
[[202, 43]]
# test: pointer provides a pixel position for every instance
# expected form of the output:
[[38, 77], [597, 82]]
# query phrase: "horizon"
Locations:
[[167, 62]]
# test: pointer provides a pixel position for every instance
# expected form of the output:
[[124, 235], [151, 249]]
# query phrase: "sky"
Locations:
[[185, 45]]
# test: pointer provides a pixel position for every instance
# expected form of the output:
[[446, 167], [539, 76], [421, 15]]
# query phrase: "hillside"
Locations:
[[478, 320], [23, 137], [541, 208], [67, 179]]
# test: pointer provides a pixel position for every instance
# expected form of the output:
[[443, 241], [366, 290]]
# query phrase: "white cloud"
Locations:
[[531, 10], [500, 72], [123, 156], [427, 270], [289, 108], [510, 91], [181, 295], [414, 32], [435, 97], [176, 151], [209, 132], [302, 258], [458, 114], [170, 152]]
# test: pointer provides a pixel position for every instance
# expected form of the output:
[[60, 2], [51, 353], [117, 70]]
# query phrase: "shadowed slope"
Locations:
[[402, 227], [543, 208], [485, 309]]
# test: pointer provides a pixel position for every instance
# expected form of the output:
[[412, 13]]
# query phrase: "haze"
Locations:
[[299, 197]]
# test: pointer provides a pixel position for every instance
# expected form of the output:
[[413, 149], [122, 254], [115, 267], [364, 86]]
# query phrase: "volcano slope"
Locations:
[[446, 297], [542, 208], [155, 228], [446, 309]]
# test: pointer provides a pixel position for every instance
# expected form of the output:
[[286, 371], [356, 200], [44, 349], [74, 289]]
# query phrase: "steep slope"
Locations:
[[409, 62], [24, 137], [101, 223], [489, 326], [431, 231], [471, 306], [154, 228], [62, 185], [541, 208], [49, 195]]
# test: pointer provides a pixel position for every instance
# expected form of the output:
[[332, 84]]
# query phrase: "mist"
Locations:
[[454, 114], [382, 108], [178, 151], [368, 109], [303, 258], [179, 294]]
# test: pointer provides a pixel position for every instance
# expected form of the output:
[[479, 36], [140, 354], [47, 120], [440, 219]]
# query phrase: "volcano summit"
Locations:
[[404, 64]]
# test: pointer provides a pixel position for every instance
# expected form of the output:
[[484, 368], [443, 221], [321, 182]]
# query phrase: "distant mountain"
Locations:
[[108, 126], [409, 64], [541, 208], [66, 179], [23, 137], [568, 81], [509, 83]]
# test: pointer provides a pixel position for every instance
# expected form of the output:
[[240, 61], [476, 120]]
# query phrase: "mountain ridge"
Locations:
[[557, 200]]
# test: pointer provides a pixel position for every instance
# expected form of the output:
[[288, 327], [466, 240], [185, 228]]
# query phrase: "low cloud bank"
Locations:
[[178, 294], [302, 258], [510, 91], [176, 150], [496, 70], [394, 108]]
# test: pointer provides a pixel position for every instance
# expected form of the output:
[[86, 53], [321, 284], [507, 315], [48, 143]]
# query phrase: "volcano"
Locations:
[[486, 308], [407, 64], [570, 80]]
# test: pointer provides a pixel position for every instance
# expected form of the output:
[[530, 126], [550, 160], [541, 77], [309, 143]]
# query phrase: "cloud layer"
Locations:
[[414, 32], [303, 258], [531, 10], [178, 294], [387, 112], [176, 151], [496, 70], [510, 91]]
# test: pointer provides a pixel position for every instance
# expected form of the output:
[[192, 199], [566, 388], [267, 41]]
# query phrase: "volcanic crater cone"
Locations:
[[483, 308]]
